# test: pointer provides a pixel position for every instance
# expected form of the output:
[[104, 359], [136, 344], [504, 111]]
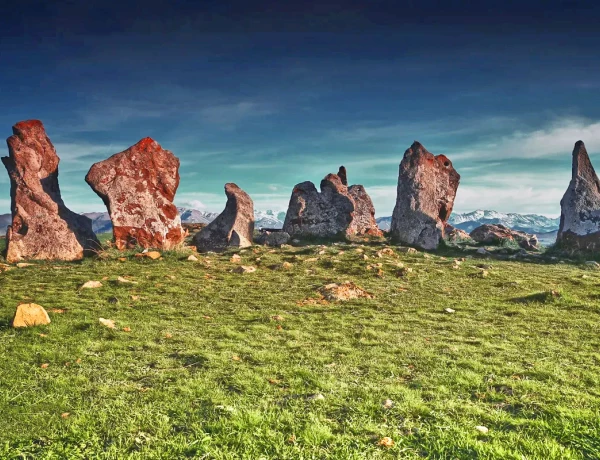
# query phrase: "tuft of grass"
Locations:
[[223, 365]]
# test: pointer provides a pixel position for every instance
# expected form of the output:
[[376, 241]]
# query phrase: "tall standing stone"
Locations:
[[580, 205], [336, 212], [42, 226], [427, 187], [138, 186], [234, 227]]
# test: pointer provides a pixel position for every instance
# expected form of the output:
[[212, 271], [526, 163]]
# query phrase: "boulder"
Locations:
[[336, 212], [234, 227], [427, 187], [138, 186], [42, 227], [499, 234], [30, 314], [454, 234], [275, 239], [580, 206]]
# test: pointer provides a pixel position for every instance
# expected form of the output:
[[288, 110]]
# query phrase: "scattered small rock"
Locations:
[[344, 291], [386, 442], [407, 250], [91, 285], [30, 314], [449, 310], [482, 429], [388, 404], [109, 323], [24, 265], [235, 259], [192, 258], [122, 280], [244, 269], [316, 397]]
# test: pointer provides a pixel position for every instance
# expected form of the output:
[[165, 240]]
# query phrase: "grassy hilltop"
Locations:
[[207, 363]]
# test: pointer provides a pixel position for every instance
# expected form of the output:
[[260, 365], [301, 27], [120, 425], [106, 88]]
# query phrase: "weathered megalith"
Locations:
[[234, 227], [580, 206], [336, 212], [42, 226], [138, 186], [427, 187]]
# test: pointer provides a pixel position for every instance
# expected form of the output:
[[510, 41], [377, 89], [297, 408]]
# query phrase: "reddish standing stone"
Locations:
[[138, 186], [42, 226]]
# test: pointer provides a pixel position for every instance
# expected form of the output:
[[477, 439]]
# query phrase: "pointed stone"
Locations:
[[427, 187], [138, 187], [342, 175], [42, 227], [234, 227], [580, 205]]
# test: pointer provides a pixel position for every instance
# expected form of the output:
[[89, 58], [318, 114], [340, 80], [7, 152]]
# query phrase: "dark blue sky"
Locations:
[[270, 94]]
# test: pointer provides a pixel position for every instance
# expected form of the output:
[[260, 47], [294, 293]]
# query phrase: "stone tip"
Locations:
[[27, 125], [579, 144], [146, 142]]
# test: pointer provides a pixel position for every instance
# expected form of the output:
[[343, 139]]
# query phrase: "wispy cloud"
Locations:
[[558, 138]]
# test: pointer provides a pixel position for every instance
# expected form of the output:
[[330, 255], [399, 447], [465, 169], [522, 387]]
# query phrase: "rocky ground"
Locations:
[[354, 350]]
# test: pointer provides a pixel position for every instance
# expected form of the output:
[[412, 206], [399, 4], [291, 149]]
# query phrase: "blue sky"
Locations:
[[268, 95]]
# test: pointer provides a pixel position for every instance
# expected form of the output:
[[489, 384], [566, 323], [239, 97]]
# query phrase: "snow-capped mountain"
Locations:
[[529, 223]]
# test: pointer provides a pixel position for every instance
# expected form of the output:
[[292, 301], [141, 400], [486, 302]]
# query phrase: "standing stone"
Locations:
[[580, 206], [427, 187], [337, 212], [234, 227], [138, 186], [363, 218], [42, 227]]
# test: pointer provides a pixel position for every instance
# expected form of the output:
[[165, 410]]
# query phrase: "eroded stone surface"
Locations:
[[335, 212], [42, 226], [580, 206], [427, 187], [138, 186], [234, 227]]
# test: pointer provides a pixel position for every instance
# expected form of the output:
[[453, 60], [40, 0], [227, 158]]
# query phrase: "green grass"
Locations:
[[207, 373]]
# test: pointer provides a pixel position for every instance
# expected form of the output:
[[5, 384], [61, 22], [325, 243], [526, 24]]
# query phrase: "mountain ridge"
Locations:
[[529, 223]]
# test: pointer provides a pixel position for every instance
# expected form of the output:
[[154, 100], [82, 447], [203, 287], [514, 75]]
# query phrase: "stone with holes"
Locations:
[[337, 211]]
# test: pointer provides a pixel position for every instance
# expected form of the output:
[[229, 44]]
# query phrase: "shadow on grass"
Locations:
[[538, 297]]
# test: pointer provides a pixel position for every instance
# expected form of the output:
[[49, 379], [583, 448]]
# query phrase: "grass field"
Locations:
[[220, 365]]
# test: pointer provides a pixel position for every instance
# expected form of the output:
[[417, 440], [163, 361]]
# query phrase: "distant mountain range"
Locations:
[[529, 223], [544, 227]]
